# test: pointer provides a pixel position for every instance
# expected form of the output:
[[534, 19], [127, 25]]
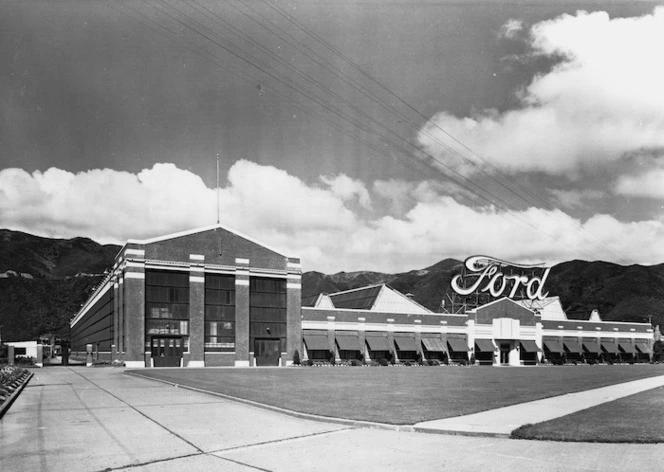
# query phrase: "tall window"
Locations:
[[267, 309], [219, 313], [166, 304]]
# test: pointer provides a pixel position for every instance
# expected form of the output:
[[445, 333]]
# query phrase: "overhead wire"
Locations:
[[326, 105]]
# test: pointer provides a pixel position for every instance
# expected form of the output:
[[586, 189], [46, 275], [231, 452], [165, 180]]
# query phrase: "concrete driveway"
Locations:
[[93, 419]]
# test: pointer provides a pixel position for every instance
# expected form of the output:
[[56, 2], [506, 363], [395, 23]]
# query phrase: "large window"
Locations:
[[219, 313], [267, 309], [166, 305]]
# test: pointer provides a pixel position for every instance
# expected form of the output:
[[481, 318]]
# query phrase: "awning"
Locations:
[[592, 347], [628, 348], [573, 347], [457, 344], [553, 346], [611, 348], [484, 345], [348, 341], [316, 342], [643, 348], [405, 342], [434, 345], [529, 346], [378, 343]]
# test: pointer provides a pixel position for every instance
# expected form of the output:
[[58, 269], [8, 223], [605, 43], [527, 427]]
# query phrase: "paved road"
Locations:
[[93, 419]]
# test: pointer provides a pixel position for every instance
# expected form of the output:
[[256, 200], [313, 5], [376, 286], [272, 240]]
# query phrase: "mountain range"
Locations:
[[43, 281]]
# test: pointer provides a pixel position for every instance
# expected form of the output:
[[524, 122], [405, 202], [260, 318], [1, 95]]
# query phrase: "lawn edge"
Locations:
[[293, 413], [6, 405]]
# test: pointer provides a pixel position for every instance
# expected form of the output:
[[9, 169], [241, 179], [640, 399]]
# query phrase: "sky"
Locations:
[[357, 135]]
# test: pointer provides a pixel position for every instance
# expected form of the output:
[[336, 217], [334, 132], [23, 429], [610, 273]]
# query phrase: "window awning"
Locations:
[[628, 348], [405, 342], [348, 341], [458, 344], [553, 346], [592, 347], [316, 342], [643, 348], [484, 345], [611, 348], [529, 345], [573, 347], [434, 345], [378, 343]]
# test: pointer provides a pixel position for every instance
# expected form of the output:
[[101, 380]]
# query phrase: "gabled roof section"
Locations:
[[379, 298], [357, 299], [500, 301], [201, 230], [550, 308]]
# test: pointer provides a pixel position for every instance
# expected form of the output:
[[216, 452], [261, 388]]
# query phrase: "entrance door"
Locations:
[[505, 353], [166, 352], [267, 351]]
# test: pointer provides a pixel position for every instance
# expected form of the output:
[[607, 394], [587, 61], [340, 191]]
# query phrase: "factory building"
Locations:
[[205, 297], [377, 322], [214, 297]]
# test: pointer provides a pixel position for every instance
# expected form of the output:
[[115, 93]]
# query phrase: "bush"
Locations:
[[433, 362], [25, 361], [296, 357], [407, 364], [373, 363], [333, 361], [384, 362], [462, 362], [355, 362], [310, 362]]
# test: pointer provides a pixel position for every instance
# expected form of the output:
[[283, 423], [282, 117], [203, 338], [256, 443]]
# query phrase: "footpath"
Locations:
[[502, 421], [98, 419]]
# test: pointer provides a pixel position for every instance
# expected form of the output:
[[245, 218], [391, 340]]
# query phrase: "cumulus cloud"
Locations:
[[312, 221], [648, 184], [348, 189], [601, 101], [511, 28]]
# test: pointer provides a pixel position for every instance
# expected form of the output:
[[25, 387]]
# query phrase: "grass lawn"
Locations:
[[636, 418], [401, 395]]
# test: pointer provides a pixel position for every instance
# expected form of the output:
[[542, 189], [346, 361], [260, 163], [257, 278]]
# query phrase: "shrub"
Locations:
[[462, 362], [296, 357], [384, 362], [333, 361], [355, 362], [407, 364], [433, 362], [309, 362]]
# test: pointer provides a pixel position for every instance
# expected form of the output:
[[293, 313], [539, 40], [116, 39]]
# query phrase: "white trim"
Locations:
[[91, 302], [194, 268], [242, 364], [135, 252], [241, 282], [134, 364], [294, 276], [193, 278], [196, 257], [294, 265], [134, 264], [196, 364], [241, 260], [201, 230], [293, 285], [135, 275]]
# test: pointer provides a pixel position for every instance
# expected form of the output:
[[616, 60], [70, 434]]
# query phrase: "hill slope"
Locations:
[[30, 307]]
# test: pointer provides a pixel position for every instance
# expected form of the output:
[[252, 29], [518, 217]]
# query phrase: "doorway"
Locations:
[[166, 351], [267, 351], [505, 353]]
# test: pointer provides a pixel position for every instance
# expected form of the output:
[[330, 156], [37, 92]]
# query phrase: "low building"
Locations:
[[378, 322], [205, 297]]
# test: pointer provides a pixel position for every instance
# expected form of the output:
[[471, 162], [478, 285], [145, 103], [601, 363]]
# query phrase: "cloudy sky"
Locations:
[[359, 135]]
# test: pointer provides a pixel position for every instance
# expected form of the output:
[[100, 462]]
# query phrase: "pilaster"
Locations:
[[134, 316], [294, 309], [196, 310], [242, 347]]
